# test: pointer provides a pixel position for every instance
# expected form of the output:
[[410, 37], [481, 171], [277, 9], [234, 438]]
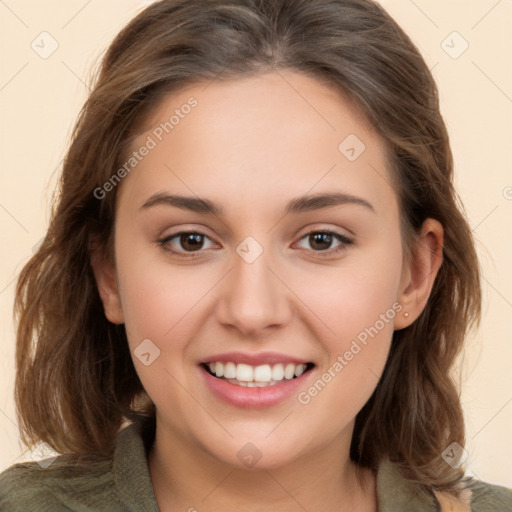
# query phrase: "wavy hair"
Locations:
[[76, 383]]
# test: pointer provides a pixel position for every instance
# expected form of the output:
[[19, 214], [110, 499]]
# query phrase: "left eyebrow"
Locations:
[[297, 205], [318, 201]]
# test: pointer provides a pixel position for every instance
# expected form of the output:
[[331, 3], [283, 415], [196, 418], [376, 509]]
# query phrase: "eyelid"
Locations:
[[325, 229], [342, 238], [165, 240]]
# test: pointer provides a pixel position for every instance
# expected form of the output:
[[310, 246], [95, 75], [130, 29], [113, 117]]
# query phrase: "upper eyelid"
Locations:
[[200, 231], [332, 231]]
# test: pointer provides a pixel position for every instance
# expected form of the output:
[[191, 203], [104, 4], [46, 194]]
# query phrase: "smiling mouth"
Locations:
[[256, 376]]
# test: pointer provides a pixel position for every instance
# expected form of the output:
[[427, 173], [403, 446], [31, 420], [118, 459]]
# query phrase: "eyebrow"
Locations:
[[297, 205]]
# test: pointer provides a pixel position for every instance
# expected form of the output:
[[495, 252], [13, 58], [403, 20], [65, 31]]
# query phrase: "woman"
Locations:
[[257, 278]]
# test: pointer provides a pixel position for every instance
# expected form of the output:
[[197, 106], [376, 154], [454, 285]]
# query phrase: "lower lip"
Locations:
[[253, 398]]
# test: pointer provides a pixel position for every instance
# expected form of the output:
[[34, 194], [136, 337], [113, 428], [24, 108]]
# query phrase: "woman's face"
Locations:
[[293, 261]]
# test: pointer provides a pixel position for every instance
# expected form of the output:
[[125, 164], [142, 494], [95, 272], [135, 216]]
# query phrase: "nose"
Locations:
[[253, 297]]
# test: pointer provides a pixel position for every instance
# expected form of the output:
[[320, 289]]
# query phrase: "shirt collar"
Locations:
[[131, 470], [396, 494]]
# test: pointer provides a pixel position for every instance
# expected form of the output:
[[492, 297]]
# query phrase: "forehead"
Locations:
[[260, 136]]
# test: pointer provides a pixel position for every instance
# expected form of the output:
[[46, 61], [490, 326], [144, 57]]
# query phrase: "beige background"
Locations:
[[40, 99]]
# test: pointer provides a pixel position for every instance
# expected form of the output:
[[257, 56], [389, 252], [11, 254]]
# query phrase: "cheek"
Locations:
[[356, 309], [160, 303], [155, 292], [157, 300], [352, 297]]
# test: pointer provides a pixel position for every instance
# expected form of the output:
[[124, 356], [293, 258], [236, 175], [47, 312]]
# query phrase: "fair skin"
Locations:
[[250, 146]]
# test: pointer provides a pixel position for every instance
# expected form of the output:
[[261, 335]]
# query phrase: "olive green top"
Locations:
[[123, 483]]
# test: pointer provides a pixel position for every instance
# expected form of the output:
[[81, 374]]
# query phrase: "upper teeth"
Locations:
[[262, 373]]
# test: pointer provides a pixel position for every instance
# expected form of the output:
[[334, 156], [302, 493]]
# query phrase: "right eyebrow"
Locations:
[[194, 204]]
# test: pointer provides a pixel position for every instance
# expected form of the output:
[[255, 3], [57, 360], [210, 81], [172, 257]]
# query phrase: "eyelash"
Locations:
[[345, 242]]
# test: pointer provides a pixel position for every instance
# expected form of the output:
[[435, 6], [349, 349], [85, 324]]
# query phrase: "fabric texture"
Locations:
[[123, 484]]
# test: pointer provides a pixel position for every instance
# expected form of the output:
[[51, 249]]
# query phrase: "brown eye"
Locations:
[[191, 241], [322, 241], [184, 242]]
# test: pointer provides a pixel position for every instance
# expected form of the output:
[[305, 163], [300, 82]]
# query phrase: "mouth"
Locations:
[[261, 376]]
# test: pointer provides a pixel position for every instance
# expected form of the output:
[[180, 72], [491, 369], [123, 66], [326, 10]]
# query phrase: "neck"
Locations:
[[187, 478]]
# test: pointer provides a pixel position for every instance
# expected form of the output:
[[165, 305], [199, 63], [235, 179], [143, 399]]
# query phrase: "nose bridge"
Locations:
[[253, 298]]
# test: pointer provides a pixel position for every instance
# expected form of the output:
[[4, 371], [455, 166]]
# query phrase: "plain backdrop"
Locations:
[[47, 51]]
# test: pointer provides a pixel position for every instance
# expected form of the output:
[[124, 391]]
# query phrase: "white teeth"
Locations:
[[244, 372], [230, 370], [289, 371], [258, 376], [278, 372], [263, 373], [252, 384], [299, 370]]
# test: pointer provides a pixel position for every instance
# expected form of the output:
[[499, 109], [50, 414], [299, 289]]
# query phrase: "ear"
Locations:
[[420, 272], [106, 281]]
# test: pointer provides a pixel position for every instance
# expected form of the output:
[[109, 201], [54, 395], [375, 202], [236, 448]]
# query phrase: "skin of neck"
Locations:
[[186, 477]]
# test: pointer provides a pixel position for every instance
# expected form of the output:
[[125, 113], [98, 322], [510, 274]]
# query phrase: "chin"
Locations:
[[258, 454]]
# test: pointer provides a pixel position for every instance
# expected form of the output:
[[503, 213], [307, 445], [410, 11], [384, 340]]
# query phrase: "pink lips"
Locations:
[[253, 398]]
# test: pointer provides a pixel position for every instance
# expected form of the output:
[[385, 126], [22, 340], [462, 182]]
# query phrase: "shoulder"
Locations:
[[487, 497], [56, 487], [398, 494], [68, 483]]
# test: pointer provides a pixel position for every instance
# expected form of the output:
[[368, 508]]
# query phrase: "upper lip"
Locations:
[[254, 358]]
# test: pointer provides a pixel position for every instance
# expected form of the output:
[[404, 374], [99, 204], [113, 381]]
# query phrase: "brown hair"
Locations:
[[76, 382]]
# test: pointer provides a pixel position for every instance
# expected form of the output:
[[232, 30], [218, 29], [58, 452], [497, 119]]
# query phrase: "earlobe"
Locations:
[[106, 281], [420, 272]]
